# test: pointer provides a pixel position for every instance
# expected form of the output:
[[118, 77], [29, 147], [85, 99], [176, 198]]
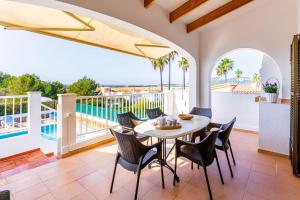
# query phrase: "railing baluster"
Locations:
[[86, 114], [21, 102]]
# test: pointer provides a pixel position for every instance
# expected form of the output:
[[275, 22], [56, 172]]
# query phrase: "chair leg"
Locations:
[[175, 169], [137, 183], [192, 165], [114, 173], [162, 174], [198, 166], [228, 162], [231, 153], [207, 182], [220, 172]]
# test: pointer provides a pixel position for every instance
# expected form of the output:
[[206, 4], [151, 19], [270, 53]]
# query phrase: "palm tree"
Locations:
[[160, 64], [238, 74], [224, 67], [171, 56], [184, 65], [256, 78]]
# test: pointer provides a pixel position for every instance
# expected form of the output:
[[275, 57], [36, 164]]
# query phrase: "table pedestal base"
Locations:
[[164, 158]]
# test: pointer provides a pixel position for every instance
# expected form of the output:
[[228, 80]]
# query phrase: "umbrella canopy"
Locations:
[[70, 26]]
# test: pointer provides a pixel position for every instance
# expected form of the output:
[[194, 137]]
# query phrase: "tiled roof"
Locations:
[[236, 88]]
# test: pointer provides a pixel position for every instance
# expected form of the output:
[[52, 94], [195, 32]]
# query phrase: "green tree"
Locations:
[[238, 74], [83, 87], [3, 77], [160, 64], [51, 89], [171, 56], [224, 67], [256, 79], [184, 65], [22, 84]]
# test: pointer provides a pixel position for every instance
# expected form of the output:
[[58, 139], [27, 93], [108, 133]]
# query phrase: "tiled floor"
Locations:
[[87, 176]]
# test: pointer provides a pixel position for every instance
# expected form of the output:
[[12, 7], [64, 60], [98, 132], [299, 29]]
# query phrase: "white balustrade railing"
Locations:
[[96, 113], [13, 113]]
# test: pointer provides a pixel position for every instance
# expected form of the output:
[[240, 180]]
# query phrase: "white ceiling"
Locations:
[[210, 5]]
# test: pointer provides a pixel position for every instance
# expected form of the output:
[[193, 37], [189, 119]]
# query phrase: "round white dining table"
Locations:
[[187, 126]]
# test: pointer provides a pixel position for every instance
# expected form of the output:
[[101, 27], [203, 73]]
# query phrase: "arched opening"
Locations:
[[192, 75], [236, 84]]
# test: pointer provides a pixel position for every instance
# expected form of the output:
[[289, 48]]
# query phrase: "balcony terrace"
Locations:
[[67, 151]]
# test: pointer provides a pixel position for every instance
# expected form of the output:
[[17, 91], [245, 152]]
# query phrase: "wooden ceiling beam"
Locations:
[[185, 8], [215, 14], [148, 3]]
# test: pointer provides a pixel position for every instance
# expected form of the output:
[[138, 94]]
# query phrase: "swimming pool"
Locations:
[[47, 132]]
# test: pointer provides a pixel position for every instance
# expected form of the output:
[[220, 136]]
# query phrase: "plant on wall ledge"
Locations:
[[271, 90], [270, 87]]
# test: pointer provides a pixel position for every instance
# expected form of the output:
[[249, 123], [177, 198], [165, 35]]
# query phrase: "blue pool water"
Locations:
[[47, 131]]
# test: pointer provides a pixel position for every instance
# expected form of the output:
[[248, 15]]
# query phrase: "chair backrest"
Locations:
[[124, 119], [154, 113], [226, 130], [207, 146], [132, 115], [202, 112], [130, 148]]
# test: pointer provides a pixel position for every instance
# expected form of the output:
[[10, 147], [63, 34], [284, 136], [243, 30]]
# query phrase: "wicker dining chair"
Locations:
[[154, 113], [129, 121], [5, 195], [134, 156], [206, 112], [223, 142], [202, 153]]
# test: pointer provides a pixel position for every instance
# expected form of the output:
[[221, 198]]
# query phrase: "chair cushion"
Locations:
[[141, 137], [149, 157], [219, 145], [193, 154]]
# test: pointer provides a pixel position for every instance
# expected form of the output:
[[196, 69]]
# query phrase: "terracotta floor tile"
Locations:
[[87, 176], [3, 182], [46, 197], [31, 193], [67, 191], [22, 184], [122, 194], [84, 196]]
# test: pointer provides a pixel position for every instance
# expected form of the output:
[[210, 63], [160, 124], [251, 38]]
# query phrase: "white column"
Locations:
[[66, 122], [34, 116], [169, 103]]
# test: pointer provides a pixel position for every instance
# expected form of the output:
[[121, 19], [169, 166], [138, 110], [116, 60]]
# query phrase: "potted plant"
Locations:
[[271, 90]]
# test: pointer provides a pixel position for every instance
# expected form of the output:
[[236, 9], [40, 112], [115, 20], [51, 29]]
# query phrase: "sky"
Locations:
[[55, 59], [248, 60]]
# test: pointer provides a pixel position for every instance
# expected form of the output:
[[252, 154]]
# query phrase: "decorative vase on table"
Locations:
[[271, 90]]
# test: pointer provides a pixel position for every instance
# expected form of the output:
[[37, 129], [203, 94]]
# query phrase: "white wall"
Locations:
[[225, 106], [274, 127], [268, 28], [269, 69]]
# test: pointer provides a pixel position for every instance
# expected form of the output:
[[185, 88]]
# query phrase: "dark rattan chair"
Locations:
[[202, 153], [127, 120], [5, 195], [154, 113], [223, 142], [206, 112], [134, 156]]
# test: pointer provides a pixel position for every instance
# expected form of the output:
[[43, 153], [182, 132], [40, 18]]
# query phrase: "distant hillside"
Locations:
[[220, 80]]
